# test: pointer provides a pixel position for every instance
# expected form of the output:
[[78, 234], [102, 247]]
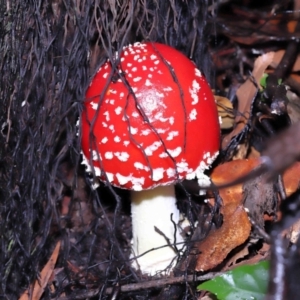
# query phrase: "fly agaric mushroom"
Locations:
[[149, 123]]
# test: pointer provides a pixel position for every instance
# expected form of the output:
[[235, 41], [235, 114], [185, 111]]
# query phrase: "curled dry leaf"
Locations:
[[291, 178], [236, 226], [278, 55], [239, 258], [233, 170], [234, 232], [246, 94], [229, 172], [293, 81], [225, 112]]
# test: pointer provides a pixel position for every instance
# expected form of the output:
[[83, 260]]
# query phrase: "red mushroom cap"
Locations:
[[161, 130]]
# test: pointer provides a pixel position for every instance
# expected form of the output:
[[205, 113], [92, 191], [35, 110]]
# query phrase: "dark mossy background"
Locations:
[[49, 51]]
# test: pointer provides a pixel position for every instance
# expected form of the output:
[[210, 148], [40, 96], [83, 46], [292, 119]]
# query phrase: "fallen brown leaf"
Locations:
[[278, 55], [35, 292], [225, 112], [291, 178], [262, 254], [245, 95], [234, 232], [240, 258], [232, 262], [233, 170], [236, 226]]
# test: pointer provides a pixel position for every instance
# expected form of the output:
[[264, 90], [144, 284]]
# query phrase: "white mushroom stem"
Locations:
[[150, 209]]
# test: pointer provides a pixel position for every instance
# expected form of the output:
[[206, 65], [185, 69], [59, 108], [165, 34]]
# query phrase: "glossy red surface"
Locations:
[[168, 131]]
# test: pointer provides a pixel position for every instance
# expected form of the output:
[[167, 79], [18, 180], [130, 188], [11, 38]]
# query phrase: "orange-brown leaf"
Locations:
[[231, 171], [234, 232], [236, 226], [41, 283]]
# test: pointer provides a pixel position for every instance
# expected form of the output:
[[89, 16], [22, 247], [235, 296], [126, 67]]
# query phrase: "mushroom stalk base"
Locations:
[[152, 209]]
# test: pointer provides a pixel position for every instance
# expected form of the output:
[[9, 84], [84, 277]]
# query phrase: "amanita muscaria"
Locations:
[[147, 125]]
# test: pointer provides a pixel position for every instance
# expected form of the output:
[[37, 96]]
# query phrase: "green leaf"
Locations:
[[263, 80], [243, 283]]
